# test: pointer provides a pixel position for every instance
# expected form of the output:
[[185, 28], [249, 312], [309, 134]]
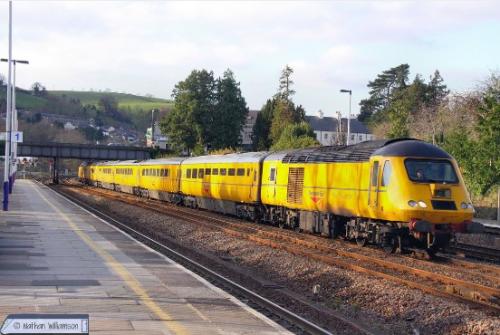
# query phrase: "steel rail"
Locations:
[[475, 251], [454, 288], [263, 302]]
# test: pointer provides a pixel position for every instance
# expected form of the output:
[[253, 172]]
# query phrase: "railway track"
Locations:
[[292, 320], [427, 281], [476, 252]]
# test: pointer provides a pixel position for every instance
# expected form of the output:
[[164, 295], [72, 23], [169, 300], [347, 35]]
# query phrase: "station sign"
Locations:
[[29, 324], [16, 136]]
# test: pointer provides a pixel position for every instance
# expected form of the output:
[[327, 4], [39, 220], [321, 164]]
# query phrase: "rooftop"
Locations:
[[328, 123]]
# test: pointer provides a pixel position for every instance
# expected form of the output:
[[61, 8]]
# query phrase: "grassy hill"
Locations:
[[135, 108], [125, 100], [24, 99]]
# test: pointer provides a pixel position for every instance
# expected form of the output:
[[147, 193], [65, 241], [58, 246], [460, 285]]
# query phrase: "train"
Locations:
[[399, 194]]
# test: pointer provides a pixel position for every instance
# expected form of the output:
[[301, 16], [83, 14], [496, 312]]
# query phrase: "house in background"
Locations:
[[158, 140], [247, 130], [329, 132]]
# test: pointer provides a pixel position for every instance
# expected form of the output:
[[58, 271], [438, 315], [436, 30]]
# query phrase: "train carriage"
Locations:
[[160, 179], [126, 176], [103, 174], [224, 183]]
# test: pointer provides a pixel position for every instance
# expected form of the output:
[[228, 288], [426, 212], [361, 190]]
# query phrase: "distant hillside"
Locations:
[[134, 102], [133, 109]]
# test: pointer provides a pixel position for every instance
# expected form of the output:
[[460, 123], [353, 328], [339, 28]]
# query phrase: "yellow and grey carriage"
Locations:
[[224, 183]]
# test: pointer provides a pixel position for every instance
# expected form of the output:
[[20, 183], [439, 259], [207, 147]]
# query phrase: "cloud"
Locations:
[[149, 46]]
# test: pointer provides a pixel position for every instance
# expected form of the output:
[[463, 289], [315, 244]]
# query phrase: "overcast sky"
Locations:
[[147, 47]]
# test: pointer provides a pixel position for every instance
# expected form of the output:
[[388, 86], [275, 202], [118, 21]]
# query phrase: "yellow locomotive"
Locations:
[[398, 194]]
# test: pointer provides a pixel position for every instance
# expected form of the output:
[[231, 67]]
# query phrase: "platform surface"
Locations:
[[57, 258]]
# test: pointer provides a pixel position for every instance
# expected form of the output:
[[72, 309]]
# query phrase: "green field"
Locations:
[[134, 102], [24, 100]]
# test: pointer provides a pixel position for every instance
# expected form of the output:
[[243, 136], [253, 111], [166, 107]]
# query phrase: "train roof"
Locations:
[[404, 147], [245, 157], [163, 161]]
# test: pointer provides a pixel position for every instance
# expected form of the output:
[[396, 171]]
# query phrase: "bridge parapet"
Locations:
[[82, 151]]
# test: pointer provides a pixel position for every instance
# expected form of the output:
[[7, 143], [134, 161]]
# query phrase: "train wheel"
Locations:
[[361, 241], [390, 243], [431, 252]]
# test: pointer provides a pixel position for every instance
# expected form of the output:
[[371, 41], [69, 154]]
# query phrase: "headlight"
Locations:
[[422, 204], [465, 205], [412, 203]]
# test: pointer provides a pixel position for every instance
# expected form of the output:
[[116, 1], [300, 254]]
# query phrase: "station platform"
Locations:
[[55, 257]]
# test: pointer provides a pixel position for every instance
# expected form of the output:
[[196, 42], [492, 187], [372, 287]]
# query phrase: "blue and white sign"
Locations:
[[16, 136], [46, 324]]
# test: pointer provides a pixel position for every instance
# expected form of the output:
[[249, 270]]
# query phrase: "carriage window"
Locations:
[[215, 172], [272, 174], [248, 172], [200, 173], [386, 174], [167, 172], [230, 172], [142, 172], [195, 173], [240, 172], [375, 173], [207, 172], [222, 172], [188, 173]]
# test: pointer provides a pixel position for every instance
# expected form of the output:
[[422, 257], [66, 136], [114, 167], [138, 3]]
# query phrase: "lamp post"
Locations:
[[349, 116], [152, 128], [13, 121], [8, 124]]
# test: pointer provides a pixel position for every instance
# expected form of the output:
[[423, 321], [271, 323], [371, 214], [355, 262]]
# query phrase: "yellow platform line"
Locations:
[[122, 272]]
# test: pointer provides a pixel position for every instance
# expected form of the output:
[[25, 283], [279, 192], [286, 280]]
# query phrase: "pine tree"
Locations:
[[229, 113], [262, 128]]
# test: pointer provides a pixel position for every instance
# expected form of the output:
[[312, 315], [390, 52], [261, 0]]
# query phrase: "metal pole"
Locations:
[[152, 128], [6, 173], [349, 121], [13, 127]]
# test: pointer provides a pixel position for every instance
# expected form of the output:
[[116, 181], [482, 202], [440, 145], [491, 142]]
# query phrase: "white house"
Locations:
[[328, 132], [69, 126]]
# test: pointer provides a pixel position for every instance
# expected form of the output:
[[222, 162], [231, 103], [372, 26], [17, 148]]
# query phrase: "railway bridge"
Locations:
[[93, 152]]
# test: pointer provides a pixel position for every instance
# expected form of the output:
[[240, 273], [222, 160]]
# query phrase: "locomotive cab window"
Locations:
[[272, 174], [386, 173], [431, 171]]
